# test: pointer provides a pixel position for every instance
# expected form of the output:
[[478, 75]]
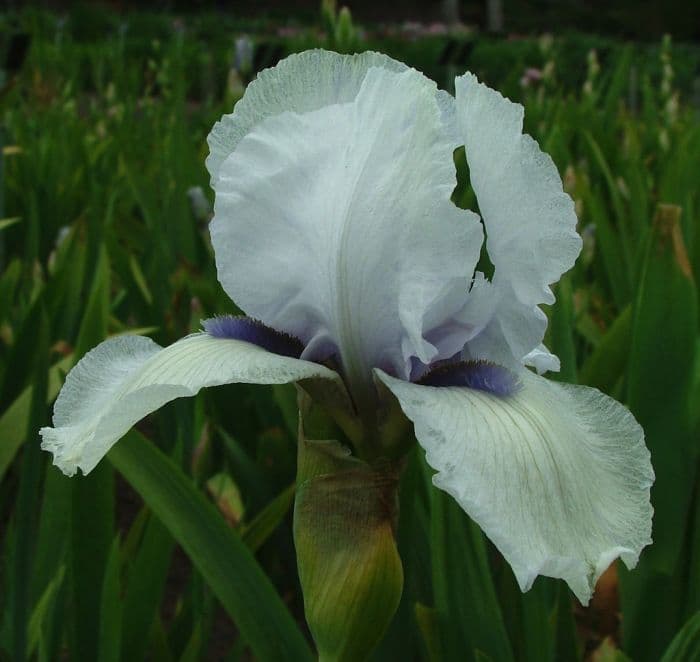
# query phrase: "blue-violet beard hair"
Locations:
[[253, 331], [479, 375]]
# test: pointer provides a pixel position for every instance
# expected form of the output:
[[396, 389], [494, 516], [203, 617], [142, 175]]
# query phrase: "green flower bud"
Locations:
[[349, 567]]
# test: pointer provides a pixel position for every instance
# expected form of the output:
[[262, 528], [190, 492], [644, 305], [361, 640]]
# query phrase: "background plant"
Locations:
[[180, 548]]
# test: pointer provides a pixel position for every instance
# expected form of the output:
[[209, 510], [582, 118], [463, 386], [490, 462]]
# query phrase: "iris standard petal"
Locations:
[[557, 476], [126, 377], [336, 226], [530, 221], [511, 328], [542, 360], [300, 83]]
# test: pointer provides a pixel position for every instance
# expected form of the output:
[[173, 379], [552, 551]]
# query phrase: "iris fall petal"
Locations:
[[125, 378], [557, 476]]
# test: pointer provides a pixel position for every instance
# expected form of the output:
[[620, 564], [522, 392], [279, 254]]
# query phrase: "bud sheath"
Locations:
[[349, 567]]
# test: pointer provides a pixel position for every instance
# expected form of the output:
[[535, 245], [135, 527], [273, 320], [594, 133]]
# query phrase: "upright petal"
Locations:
[[300, 83], [336, 225], [530, 221], [542, 360], [126, 377], [558, 476]]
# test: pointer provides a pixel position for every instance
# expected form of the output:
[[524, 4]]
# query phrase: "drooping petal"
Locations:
[[336, 225], [557, 476], [530, 221], [126, 377]]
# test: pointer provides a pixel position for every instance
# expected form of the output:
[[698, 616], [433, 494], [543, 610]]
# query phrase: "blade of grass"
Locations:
[[609, 244], [92, 529], [9, 222], [469, 615], [661, 363], [255, 533], [223, 559], [25, 511], [686, 644], [662, 359], [609, 359], [42, 612], [562, 338], [111, 608], [52, 533], [146, 581]]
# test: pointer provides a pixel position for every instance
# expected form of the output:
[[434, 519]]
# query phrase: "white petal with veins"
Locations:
[[542, 360], [557, 476], [300, 83], [124, 378], [530, 221]]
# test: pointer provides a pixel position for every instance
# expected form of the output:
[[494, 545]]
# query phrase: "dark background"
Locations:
[[645, 19]]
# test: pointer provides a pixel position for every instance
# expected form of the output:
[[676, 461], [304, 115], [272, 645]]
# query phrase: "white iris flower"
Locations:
[[334, 229]]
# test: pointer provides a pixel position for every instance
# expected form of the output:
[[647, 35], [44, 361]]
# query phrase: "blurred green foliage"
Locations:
[[103, 230]]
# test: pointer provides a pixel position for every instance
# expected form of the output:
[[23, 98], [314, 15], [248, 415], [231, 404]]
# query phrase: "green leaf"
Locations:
[[428, 622], [27, 495], [21, 356], [92, 527], [192, 652], [285, 396], [601, 161], [93, 327], [468, 612], [692, 598], [536, 609], [9, 222], [661, 364], [9, 285], [686, 644], [561, 331], [216, 551], [111, 608], [140, 280], [158, 642], [607, 363], [566, 639], [264, 524], [619, 80], [54, 522], [609, 246], [42, 611], [146, 581]]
